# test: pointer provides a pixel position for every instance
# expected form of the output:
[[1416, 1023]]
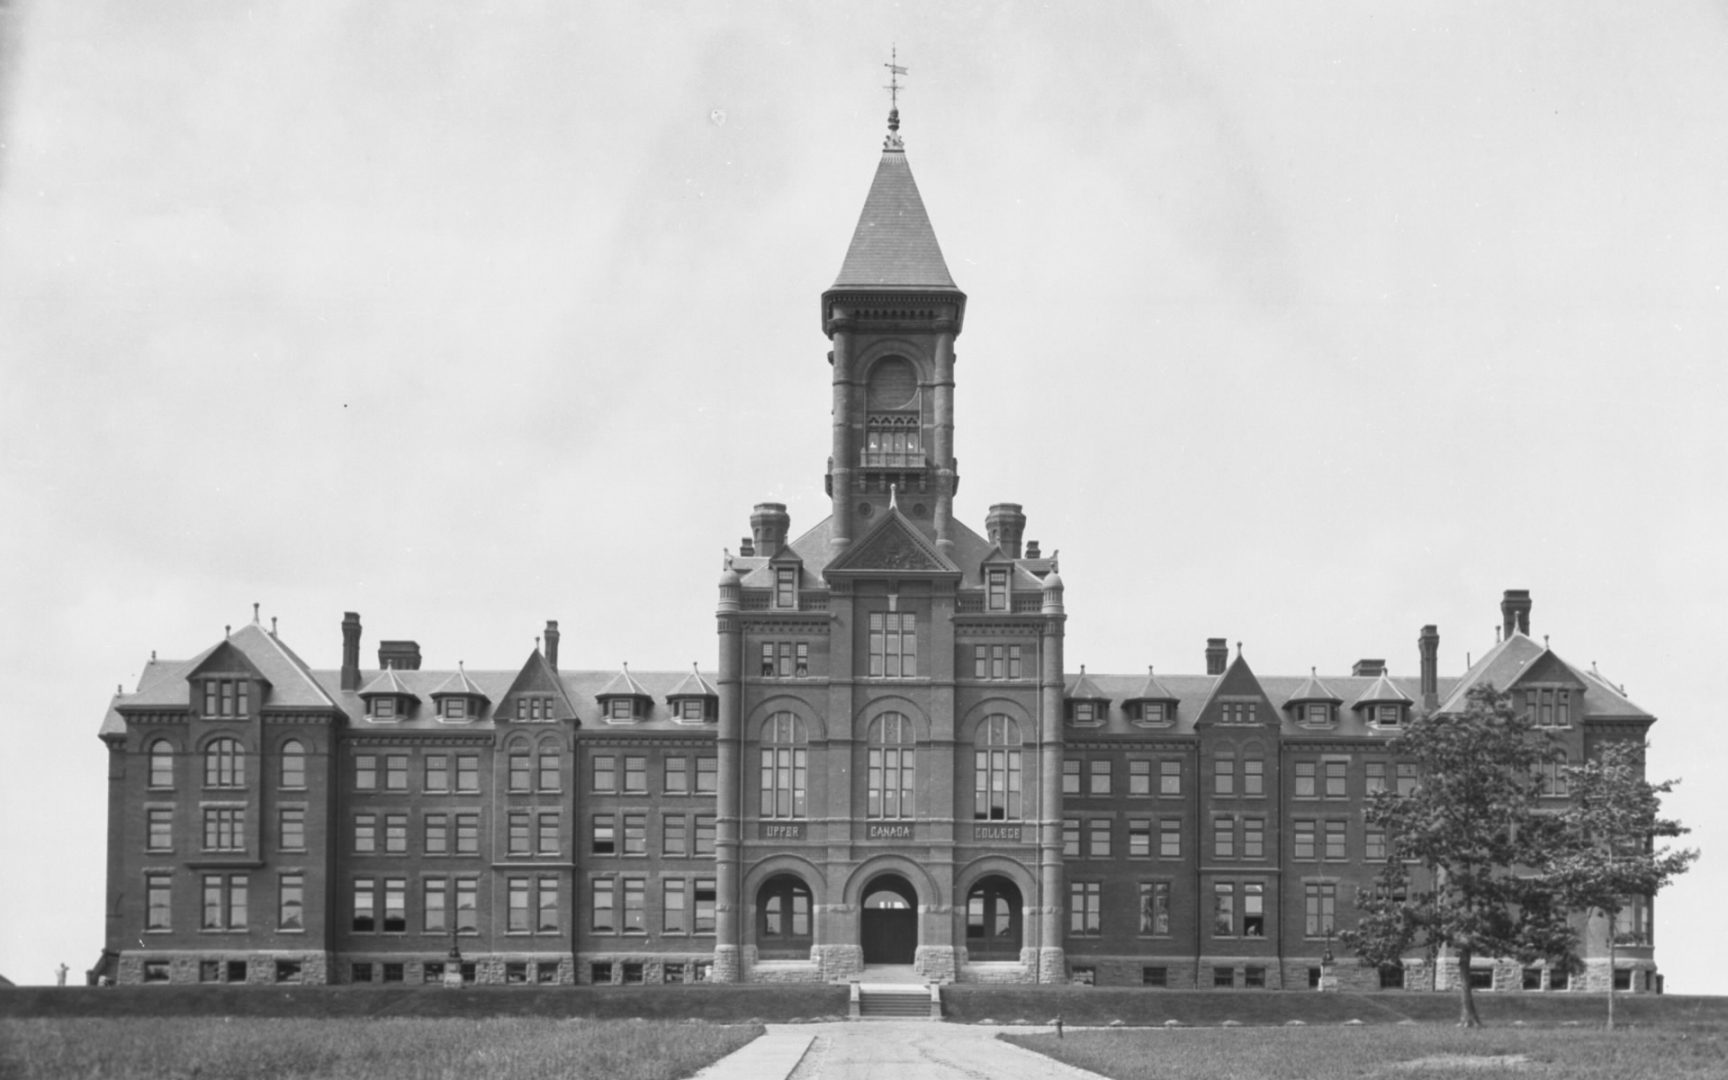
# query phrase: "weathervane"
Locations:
[[893, 88]]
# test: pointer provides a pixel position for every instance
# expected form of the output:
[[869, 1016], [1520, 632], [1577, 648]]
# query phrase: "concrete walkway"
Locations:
[[888, 1050]]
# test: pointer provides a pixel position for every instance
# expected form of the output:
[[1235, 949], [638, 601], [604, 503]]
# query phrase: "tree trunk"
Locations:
[[1467, 1015], [1611, 920]]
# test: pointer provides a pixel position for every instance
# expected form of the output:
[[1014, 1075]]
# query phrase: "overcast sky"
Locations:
[[1298, 326]]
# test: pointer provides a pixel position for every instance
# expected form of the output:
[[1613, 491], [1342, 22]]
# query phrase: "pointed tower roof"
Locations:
[[387, 682], [1085, 689], [1312, 689], [693, 685], [894, 245], [624, 684], [1383, 691], [1153, 690], [459, 683]]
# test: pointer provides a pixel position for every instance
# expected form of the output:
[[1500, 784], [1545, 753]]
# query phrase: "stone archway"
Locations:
[[994, 919], [783, 918], [888, 921]]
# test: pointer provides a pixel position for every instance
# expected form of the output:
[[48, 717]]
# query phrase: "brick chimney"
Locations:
[[1217, 655], [1429, 645], [552, 644], [1368, 667], [747, 547], [399, 655], [1005, 525], [1515, 612], [351, 650], [769, 524]]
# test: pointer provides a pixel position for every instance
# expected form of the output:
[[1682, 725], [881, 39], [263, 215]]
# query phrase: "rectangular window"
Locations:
[[437, 834], [605, 773], [291, 828], [1139, 838], [437, 773], [1305, 779], [1070, 777], [621, 708], [213, 896], [467, 905], [159, 832], [768, 668], [1320, 899], [1085, 917], [546, 834], [1169, 777], [1317, 714], [1551, 779], [707, 774], [1139, 777], [677, 778], [1386, 715], [786, 587], [704, 835], [517, 898], [1303, 847], [1169, 839], [546, 911], [996, 792], [893, 644], [1406, 777], [1253, 909], [396, 772], [396, 834], [1253, 777], [1374, 777], [635, 834], [1224, 909], [365, 772], [605, 835], [1240, 712], [1336, 847], [674, 842], [516, 833], [1154, 907], [1224, 775], [1254, 977], [704, 922], [672, 913], [635, 913], [1374, 844], [604, 920], [454, 708], [801, 660], [291, 902], [1098, 838], [365, 834], [783, 776], [158, 894], [1223, 838], [467, 834], [433, 895], [520, 774], [365, 905], [1071, 838], [1099, 777], [551, 776], [1155, 976], [395, 905], [998, 590], [382, 708], [224, 828], [1335, 785], [635, 774], [1254, 838], [467, 772]]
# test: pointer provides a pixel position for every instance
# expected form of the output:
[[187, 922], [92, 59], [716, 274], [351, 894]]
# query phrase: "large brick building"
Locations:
[[889, 765]]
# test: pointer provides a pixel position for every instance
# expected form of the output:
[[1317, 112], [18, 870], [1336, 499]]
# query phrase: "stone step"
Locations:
[[898, 1003]]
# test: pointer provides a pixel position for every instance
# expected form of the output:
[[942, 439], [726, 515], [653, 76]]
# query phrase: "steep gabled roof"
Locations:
[[1382, 691], [623, 684], [387, 682], [894, 245], [1153, 690], [893, 543], [1084, 689], [458, 683], [1312, 689], [537, 677], [692, 685], [1517, 656]]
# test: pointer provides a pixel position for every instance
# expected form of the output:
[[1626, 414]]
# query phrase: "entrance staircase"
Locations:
[[900, 999]]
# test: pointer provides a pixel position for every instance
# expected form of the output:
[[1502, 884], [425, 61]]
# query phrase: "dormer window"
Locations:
[[1388, 715], [1152, 712], [453, 708], [1317, 714], [533, 708], [384, 708], [621, 708], [786, 587], [1239, 712], [998, 589], [1549, 706], [227, 699], [1086, 713]]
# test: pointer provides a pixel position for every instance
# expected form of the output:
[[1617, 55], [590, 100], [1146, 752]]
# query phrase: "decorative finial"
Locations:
[[536, 642], [254, 613], [696, 667], [892, 142], [272, 626], [153, 659], [1544, 641], [227, 630], [1313, 672], [1148, 671], [893, 496], [1238, 650]]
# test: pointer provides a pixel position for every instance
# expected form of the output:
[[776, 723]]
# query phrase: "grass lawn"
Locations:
[[1678, 1052], [252, 1048]]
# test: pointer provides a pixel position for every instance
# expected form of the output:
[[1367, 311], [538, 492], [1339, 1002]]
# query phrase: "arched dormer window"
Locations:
[[785, 766], [996, 770], [224, 764], [892, 768], [161, 764], [293, 764]]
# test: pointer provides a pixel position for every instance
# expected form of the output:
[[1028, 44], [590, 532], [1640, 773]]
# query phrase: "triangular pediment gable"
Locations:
[[226, 659], [786, 556], [537, 679], [1547, 670], [895, 545], [1238, 700]]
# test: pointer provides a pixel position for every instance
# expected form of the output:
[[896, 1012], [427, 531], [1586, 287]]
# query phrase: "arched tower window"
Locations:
[[224, 764], [293, 764], [892, 768], [161, 764], [785, 763], [996, 763]]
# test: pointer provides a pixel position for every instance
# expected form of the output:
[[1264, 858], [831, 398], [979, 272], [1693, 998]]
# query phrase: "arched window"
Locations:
[[785, 762], [224, 764], [161, 764], [993, 920], [996, 759], [783, 918], [293, 764], [892, 768]]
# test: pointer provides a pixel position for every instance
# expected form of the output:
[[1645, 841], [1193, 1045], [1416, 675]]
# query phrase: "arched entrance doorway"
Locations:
[[783, 919], [993, 919], [888, 928]]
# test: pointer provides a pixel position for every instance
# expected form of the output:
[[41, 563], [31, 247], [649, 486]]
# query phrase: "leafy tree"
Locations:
[[1608, 858], [1459, 843]]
